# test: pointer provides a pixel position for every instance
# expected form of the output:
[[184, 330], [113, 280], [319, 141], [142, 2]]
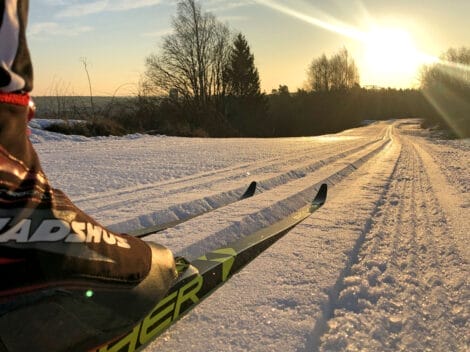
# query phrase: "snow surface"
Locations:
[[383, 266]]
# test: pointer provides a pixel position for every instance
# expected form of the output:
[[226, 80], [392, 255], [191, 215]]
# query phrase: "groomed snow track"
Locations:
[[384, 265], [224, 185]]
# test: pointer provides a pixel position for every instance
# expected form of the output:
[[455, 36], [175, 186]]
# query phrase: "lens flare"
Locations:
[[448, 94], [344, 30], [386, 49]]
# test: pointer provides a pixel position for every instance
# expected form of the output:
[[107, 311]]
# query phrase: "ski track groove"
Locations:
[[163, 190], [288, 205], [449, 197], [177, 182], [245, 167], [399, 286], [173, 209]]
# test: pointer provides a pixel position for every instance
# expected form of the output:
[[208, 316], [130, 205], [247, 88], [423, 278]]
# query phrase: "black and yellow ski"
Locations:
[[200, 277]]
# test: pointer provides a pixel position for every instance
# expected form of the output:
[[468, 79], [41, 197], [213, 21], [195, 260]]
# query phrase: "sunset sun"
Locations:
[[390, 54]]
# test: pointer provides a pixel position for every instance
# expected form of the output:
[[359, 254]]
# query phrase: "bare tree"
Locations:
[[319, 74], [344, 73], [338, 72], [192, 58], [220, 57]]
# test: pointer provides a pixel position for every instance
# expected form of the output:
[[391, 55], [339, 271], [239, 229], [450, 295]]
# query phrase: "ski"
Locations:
[[200, 277], [249, 192]]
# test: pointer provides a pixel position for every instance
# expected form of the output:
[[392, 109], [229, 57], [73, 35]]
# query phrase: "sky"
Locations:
[[114, 37]]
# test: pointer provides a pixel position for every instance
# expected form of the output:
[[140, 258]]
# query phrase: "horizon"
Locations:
[[389, 42]]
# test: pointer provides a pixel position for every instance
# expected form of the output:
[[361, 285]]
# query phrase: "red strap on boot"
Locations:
[[14, 98], [22, 99]]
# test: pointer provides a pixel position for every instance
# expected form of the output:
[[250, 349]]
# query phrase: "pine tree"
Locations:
[[242, 75], [246, 107]]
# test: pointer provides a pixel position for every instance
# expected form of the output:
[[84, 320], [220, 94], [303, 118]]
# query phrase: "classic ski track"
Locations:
[[280, 160], [244, 167], [163, 190], [329, 170], [187, 179], [454, 200], [405, 281], [237, 302], [264, 184], [306, 187]]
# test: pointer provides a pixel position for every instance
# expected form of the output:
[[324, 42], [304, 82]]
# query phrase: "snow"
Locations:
[[383, 266]]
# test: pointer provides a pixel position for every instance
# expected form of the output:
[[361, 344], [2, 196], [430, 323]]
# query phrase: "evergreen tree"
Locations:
[[242, 75], [246, 107]]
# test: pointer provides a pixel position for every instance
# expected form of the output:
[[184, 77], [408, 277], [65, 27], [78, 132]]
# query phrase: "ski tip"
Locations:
[[320, 198], [250, 191]]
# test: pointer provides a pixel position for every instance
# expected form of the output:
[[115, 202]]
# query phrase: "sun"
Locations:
[[391, 56]]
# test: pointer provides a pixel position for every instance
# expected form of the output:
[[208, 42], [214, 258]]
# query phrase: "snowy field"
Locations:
[[383, 266]]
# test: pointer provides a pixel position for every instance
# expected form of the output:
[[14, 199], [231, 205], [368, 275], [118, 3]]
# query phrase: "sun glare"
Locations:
[[391, 54]]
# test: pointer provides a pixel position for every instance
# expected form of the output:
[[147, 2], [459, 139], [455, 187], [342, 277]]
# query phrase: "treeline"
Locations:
[[287, 114], [300, 113], [310, 113], [203, 82]]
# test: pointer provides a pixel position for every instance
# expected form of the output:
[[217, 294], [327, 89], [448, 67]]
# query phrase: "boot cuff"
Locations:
[[15, 98], [21, 99]]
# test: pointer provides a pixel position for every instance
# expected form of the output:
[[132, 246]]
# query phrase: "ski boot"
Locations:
[[67, 283]]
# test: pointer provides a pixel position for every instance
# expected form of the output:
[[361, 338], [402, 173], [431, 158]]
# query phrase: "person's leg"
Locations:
[[16, 80], [53, 256]]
